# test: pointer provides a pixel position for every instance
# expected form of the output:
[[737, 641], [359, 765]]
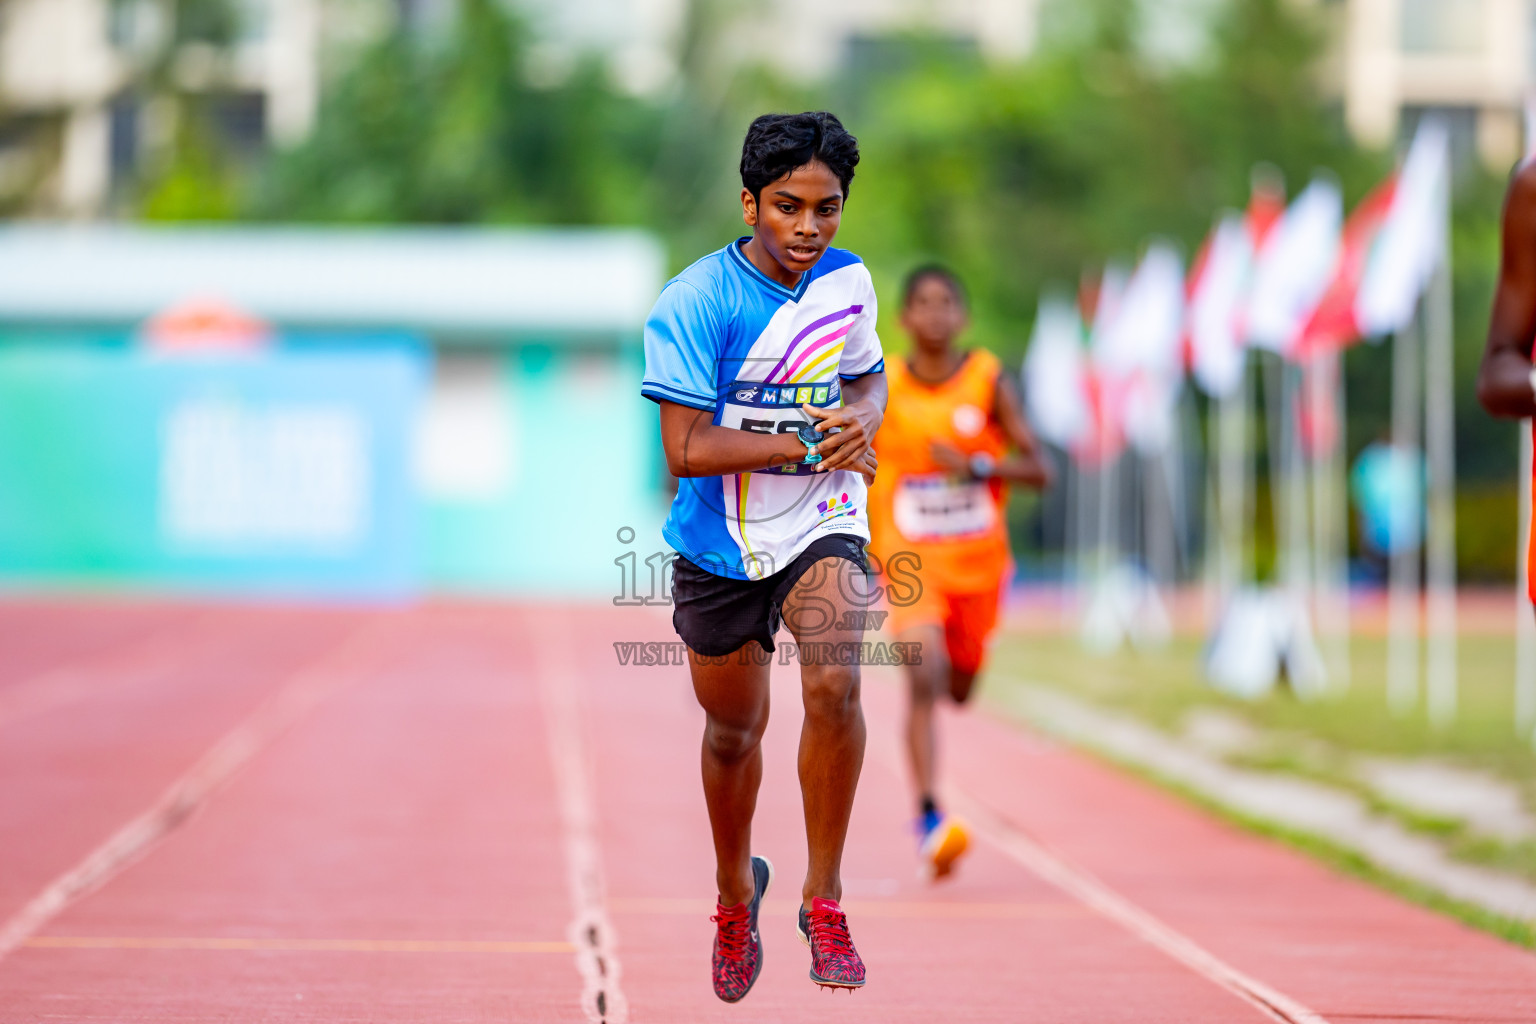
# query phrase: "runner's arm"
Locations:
[[695, 446], [1030, 466], [1504, 383], [858, 420]]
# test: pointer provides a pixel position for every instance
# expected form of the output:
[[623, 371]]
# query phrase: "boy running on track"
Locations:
[[764, 359], [1506, 385], [937, 520]]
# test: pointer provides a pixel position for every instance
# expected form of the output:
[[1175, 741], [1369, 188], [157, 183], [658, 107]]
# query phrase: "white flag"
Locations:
[[1294, 267], [1138, 353], [1217, 287], [1111, 291], [1144, 331], [1055, 390], [1412, 240]]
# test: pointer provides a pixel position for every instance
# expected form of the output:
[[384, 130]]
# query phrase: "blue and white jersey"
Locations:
[[726, 338]]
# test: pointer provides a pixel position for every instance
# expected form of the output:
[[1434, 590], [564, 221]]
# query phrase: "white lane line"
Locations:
[[1081, 885], [1077, 882], [602, 998], [189, 792]]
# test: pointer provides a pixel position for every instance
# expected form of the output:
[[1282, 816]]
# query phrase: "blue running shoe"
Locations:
[[943, 840]]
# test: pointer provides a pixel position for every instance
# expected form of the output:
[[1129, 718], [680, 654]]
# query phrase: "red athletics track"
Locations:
[[472, 812]]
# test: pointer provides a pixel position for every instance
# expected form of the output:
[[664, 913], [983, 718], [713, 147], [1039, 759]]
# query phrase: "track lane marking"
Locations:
[[591, 932], [1081, 884], [305, 689], [292, 945]]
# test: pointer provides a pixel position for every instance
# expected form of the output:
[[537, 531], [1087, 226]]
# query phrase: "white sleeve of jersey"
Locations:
[[861, 352]]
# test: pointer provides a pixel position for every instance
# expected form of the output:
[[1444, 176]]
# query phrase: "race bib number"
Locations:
[[939, 507], [775, 409]]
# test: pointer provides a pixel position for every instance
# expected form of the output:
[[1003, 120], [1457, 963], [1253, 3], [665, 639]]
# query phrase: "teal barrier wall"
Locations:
[[333, 465], [579, 461], [288, 472]]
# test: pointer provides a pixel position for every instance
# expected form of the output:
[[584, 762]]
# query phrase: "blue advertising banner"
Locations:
[[286, 472]]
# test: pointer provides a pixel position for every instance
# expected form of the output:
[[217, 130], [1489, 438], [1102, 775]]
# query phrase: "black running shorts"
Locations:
[[717, 615]]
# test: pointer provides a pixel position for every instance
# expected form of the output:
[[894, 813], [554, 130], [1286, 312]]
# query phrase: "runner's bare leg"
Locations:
[[832, 736], [735, 701], [925, 681]]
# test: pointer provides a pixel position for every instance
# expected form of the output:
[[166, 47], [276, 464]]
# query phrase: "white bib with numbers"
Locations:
[[937, 506]]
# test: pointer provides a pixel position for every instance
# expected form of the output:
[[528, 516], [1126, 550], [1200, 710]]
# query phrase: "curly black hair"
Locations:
[[777, 144], [939, 272]]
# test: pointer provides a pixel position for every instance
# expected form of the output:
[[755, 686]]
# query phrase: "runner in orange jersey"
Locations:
[[954, 436]]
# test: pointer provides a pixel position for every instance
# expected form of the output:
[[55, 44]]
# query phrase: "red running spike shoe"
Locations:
[[834, 961], [738, 949]]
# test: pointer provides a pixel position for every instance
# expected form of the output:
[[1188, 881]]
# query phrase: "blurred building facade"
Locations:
[[83, 85], [1471, 62], [644, 39]]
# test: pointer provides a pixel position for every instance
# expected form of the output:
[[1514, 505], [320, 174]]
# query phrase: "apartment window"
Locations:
[[1442, 26], [123, 122], [241, 121]]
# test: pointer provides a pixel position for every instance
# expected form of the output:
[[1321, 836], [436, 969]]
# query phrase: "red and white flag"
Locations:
[[1103, 440], [1392, 244], [1217, 283], [1294, 267], [1413, 238], [1138, 352], [1334, 323]]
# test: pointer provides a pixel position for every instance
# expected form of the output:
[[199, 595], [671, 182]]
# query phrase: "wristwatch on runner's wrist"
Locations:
[[810, 437], [982, 466]]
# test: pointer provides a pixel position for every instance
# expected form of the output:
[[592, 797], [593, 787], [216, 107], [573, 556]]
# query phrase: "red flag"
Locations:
[[1266, 205]]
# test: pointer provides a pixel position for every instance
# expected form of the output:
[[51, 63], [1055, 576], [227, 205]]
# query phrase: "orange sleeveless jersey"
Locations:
[[954, 524]]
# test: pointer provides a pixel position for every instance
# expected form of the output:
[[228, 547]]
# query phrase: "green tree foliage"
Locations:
[[447, 128], [1030, 175], [1021, 176], [196, 176]]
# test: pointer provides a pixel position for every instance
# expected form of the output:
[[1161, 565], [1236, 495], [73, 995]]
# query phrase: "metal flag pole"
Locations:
[[1403, 568], [1288, 495], [1440, 452], [1213, 569], [1160, 515], [1071, 534], [1233, 481], [1330, 512]]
